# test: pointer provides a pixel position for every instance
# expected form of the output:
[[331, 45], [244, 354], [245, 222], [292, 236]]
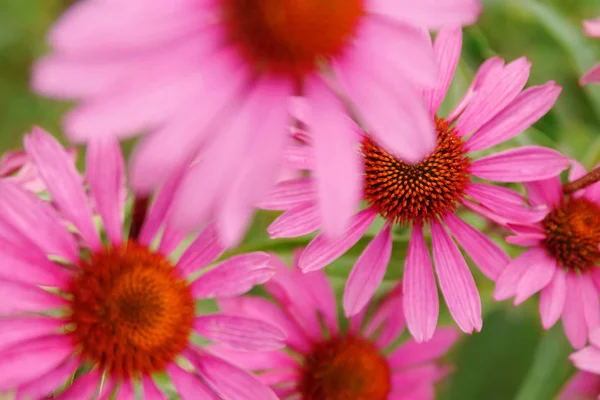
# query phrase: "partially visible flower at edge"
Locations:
[[592, 28], [325, 361], [585, 384], [494, 110], [116, 311]]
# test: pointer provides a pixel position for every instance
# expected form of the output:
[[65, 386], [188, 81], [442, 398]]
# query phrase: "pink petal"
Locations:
[[106, 176], [403, 126], [36, 221], [456, 281], [228, 381], [544, 192], [430, 13], [204, 250], [587, 359], [126, 391], [63, 182], [255, 360], [42, 386], [84, 387], [447, 47], [337, 162], [234, 276], [258, 172], [523, 164], [485, 212], [573, 315], [388, 320], [19, 329], [368, 272], [520, 114], [591, 27], [421, 303], [583, 385], [496, 92], [150, 391], [508, 282], [299, 157], [592, 76], [288, 194], [595, 336], [412, 353], [322, 250], [486, 254], [526, 240], [23, 298], [29, 360], [411, 382], [297, 221], [189, 386], [538, 275], [589, 299], [239, 332]]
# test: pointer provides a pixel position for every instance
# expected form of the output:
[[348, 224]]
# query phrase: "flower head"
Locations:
[[428, 193], [116, 311], [356, 361], [227, 69], [592, 28], [561, 259]]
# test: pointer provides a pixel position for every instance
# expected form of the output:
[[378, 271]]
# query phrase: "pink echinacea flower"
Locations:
[[561, 260], [494, 109], [212, 79], [113, 312], [592, 28], [360, 360]]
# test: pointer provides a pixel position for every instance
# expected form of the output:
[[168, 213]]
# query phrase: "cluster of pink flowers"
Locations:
[[329, 113]]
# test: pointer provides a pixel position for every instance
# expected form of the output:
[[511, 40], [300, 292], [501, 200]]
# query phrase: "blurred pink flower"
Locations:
[[592, 28], [561, 259], [213, 79], [493, 110], [585, 385], [17, 166], [324, 361], [121, 309]]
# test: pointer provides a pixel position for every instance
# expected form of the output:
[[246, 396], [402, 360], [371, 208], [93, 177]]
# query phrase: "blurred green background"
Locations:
[[511, 358]]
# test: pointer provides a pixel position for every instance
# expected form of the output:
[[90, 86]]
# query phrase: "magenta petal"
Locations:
[[322, 250], [368, 272], [508, 282], [63, 182], [205, 249], [150, 390], [299, 157], [189, 386], [29, 360], [18, 329], [106, 176], [583, 385], [523, 164], [337, 161], [587, 359], [50, 382], [573, 315], [23, 298], [235, 276], [431, 13], [125, 391], [254, 360], [412, 353], [544, 192], [538, 275], [239, 332], [592, 76], [456, 281], [84, 387], [447, 47], [421, 303], [589, 299], [488, 256], [288, 194], [591, 27], [527, 108], [228, 381], [297, 221], [526, 240], [387, 322]]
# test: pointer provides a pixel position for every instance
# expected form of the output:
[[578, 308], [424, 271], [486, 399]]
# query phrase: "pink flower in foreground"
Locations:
[[493, 110], [585, 385], [214, 78], [116, 313], [592, 28], [561, 261], [324, 361]]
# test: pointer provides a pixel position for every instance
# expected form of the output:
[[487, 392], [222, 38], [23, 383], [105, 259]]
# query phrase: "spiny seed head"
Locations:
[[405, 193]]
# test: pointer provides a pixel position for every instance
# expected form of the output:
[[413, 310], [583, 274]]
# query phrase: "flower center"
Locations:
[[573, 234], [346, 368], [406, 193], [132, 313], [290, 36]]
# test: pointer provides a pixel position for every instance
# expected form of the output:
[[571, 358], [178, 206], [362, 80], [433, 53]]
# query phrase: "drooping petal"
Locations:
[[388, 320], [544, 192], [587, 359], [150, 390], [239, 332], [583, 384], [525, 240], [235, 276], [413, 353], [573, 315], [290, 193], [205, 249], [189, 386], [297, 221], [456, 281], [508, 282], [84, 387], [538, 276], [592, 76], [19, 329], [23, 298], [255, 360], [368, 272], [589, 299], [421, 303], [430, 13], [486, 254], [321, 250], [50, 382], [63, 182], [523, 164]]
